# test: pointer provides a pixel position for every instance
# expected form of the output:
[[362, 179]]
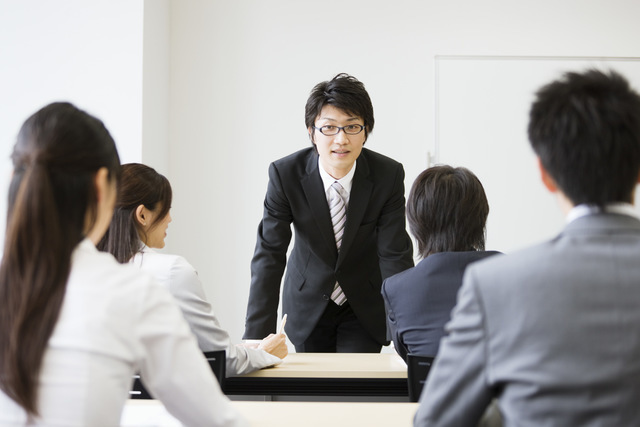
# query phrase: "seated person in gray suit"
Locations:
[[447, 212], [553, 331]]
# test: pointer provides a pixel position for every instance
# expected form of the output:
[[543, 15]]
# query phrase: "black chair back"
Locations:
[[217, 361], [137, 390], [418, 367]]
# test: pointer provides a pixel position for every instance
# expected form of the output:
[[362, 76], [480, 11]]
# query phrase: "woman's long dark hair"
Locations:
[[52, 194], [139, 185]]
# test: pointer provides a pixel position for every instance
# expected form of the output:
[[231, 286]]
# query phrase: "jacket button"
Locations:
[[325, 297]]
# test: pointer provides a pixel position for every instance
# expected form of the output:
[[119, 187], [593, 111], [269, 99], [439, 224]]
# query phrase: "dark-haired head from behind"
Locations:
[[139, 185], [65, 172], [585, 129], [344, 92], [447, 210]]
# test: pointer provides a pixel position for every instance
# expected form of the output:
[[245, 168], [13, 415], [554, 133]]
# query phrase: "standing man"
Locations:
[[347, 207], [553, 332]]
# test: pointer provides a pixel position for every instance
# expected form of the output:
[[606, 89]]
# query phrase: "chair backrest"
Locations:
[[137, 390], [418, 367], [217, 362]]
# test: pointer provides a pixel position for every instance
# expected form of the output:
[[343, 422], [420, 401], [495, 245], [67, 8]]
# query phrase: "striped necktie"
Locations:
[[338, 211]]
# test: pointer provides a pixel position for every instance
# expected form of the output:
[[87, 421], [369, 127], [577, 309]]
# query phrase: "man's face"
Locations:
[[337, 152]]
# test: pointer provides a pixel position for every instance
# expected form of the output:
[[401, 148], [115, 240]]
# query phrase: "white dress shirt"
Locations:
[[114, 322], [613, 208], [346, 182], [177, 275]]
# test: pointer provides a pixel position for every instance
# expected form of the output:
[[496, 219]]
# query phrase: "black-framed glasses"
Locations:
[[330, 130]]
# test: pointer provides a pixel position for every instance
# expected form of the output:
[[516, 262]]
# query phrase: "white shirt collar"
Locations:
[[145, 248], [85, 245], [615, 208], [346, 181]]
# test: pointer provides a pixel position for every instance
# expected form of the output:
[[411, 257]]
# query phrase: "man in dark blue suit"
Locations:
[[331, 290], [447, 211]]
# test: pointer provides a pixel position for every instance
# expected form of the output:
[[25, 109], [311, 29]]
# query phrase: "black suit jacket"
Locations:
[[419, 301], [375, 245]]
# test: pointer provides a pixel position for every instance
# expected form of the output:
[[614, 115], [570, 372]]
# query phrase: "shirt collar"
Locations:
[[614, 208], [346, 181]]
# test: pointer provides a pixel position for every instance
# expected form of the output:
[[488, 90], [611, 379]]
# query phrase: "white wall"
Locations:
[[88, 53], [155, 84], [240, 68]]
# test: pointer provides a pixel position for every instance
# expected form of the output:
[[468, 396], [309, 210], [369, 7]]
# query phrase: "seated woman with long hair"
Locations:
[[447, 212], [138, 226], [75, 325]]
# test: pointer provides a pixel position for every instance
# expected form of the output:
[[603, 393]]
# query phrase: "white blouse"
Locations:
[[114, 322], [177, 275]]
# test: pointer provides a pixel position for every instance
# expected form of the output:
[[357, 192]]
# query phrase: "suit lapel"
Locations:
[[358, 201], [317, 200]]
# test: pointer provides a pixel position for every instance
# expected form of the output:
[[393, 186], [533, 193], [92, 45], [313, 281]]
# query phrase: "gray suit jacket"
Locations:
[[552, 331]]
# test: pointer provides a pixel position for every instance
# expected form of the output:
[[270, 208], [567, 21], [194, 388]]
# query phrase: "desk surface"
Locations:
[[383, 375], [142, 413], [337, 365]]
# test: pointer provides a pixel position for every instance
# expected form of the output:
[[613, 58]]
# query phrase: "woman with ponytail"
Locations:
[[74, 324]]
